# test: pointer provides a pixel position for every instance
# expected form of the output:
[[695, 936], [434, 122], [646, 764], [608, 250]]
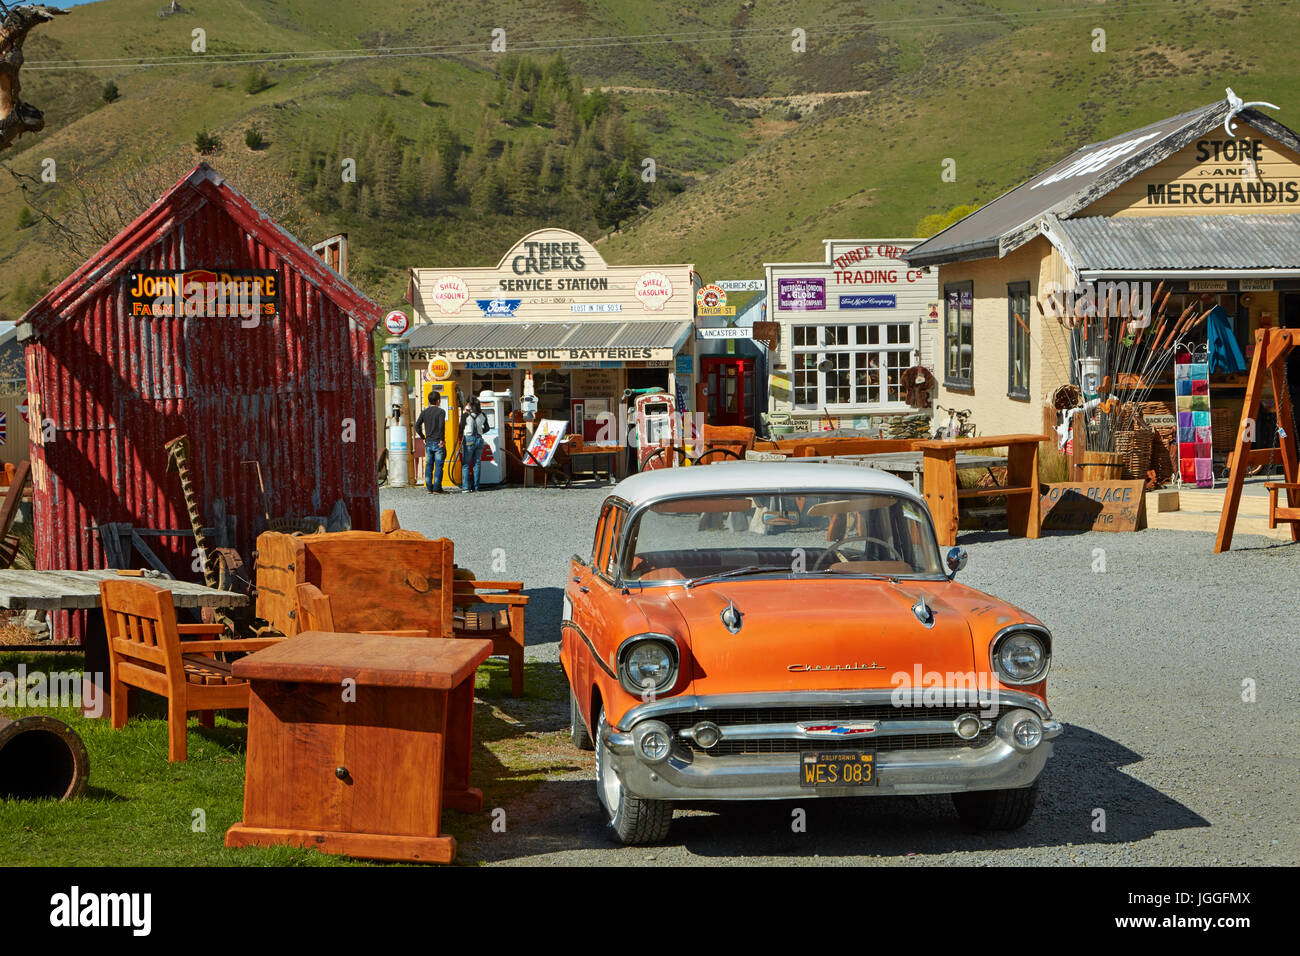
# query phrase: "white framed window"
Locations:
[[861, 366]]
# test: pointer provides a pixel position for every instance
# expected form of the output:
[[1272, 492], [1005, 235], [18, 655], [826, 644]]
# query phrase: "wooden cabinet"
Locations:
[[357, 742]]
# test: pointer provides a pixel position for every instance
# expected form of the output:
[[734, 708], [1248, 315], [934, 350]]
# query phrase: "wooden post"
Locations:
[[1079, 434], [940, 484]]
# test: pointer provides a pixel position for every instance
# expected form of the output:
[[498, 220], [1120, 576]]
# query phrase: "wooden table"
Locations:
[[1021, 491], [79, 590], [614, 455], [908, 464], [356, 742]]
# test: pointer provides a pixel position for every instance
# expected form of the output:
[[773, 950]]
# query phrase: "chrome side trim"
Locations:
[[595, 655], [951, 697]]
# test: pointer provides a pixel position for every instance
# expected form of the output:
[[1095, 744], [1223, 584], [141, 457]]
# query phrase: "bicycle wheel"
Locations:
[[716, 453], [665, 456]]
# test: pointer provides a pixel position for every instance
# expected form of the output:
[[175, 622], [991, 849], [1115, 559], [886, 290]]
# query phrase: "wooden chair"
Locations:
[[316, 614], [502, 622], [146, 650]]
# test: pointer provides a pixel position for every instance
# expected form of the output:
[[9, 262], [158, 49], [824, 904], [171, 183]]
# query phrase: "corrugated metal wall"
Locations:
[[117, 387]]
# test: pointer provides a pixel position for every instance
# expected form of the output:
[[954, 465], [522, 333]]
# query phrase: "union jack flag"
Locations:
[[4, 428]]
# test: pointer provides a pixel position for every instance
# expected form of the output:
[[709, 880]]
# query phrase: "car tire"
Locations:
[[633, 821], [996, 809], [577, 727]]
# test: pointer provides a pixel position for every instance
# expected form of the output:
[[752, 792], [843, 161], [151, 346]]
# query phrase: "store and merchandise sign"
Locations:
[[1227, 173], [801, 295], [205, 293], [396, 322], [1255, 285], [1207, 285], [711, 300], [685, 365]]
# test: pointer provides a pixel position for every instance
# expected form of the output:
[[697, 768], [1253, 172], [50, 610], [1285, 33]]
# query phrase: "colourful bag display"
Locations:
[[1195, 444]]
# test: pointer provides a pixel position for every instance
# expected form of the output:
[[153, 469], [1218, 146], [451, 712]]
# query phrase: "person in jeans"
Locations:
[[475, 424], [432, 427]]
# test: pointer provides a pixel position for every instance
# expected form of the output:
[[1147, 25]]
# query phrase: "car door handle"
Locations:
[[583, 588], [576, 580]]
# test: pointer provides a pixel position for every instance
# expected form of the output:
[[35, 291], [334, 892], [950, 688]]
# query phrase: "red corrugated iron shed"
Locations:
[[107, 388]]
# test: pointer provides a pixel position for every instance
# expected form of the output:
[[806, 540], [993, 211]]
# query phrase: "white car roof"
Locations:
[[758, 476]]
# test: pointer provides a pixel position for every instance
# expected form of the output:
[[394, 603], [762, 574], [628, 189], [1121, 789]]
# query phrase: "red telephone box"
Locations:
[[729, 381]]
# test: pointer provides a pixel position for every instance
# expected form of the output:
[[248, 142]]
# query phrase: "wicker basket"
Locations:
[[1163, 450], [1223, 428], [1134, 448]]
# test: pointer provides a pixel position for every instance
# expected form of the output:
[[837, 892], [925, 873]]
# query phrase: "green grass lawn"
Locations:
[[140, 810]]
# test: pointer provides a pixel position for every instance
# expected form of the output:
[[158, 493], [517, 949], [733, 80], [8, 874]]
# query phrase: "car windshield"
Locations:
[[819, 532]]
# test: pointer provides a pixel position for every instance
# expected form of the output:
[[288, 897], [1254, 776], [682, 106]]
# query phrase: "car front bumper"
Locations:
[[690, 775]]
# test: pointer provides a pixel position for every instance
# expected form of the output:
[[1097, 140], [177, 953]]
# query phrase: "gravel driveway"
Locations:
[[1150, 659]]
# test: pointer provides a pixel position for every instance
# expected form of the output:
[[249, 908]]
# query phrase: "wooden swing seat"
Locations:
[[1276, 514]]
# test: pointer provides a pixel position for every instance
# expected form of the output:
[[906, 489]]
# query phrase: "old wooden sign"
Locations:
[[1094, 506]]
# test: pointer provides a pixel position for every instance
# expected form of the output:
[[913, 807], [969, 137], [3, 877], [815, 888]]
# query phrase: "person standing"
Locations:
[[476, 424], [432, 427]]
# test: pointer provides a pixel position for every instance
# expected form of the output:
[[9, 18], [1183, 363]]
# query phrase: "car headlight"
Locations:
[[1021, 654], [647, 663]]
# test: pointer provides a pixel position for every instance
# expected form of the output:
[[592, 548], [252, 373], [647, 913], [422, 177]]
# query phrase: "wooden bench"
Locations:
[[315, 613], [145, 650], [495, 617], [942, 494]]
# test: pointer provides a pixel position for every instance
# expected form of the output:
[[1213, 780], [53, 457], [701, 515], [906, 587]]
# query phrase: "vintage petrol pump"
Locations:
[[656, 424], [451, 404], [496, 406], [396, 372]]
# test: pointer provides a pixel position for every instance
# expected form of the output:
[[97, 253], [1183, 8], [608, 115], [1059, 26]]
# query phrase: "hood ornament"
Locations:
[[731, 617], [924, 613]]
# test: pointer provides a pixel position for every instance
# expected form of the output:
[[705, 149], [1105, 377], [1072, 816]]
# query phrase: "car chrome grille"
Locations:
[[828, 714]]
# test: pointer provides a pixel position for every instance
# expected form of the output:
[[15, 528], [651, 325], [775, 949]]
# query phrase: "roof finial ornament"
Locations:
[[1235, 106]]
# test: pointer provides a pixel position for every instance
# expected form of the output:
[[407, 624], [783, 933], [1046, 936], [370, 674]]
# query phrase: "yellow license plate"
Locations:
[[839, 768]]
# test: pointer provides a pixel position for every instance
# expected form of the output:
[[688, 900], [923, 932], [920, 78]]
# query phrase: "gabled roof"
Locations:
[[1099, 243], [201, 186], [1076, 182]]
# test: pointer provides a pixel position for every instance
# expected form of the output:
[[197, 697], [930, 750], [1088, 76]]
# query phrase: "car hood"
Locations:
[[818, 633]]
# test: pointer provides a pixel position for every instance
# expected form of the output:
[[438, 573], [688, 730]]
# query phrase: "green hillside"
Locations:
[[760, 151]]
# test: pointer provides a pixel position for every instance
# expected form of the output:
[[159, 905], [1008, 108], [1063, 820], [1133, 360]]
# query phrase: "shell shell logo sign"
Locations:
[[450, 293], [440, 369], [653, 290]]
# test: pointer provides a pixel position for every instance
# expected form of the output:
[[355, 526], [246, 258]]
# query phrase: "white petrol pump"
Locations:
[[496, 406]]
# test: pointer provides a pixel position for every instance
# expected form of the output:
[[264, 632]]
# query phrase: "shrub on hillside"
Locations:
[[26, 218], [254, 140], [109, 92], [255, 81], [206, 142]]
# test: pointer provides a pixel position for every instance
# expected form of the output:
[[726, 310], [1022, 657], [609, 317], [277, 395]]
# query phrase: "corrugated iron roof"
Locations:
[[1184, 242], [199, 187], [545, 335], [1075, 182]]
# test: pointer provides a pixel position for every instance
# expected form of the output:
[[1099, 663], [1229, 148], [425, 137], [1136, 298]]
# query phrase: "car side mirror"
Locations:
[[956, 561]]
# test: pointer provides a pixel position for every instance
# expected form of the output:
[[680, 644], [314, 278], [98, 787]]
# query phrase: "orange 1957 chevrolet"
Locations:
[[754, 630]]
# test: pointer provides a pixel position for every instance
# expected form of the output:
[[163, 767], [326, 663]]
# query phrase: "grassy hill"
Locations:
[[762, 151]]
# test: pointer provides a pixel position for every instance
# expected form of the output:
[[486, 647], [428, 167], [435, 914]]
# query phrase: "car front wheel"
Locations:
[[996, 809], [634, 821], [577, 726]]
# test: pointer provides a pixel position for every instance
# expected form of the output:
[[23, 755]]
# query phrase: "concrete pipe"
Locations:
[[41, 757]]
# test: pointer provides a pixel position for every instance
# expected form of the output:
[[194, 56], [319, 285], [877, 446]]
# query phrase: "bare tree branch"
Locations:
[[17, 117]]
